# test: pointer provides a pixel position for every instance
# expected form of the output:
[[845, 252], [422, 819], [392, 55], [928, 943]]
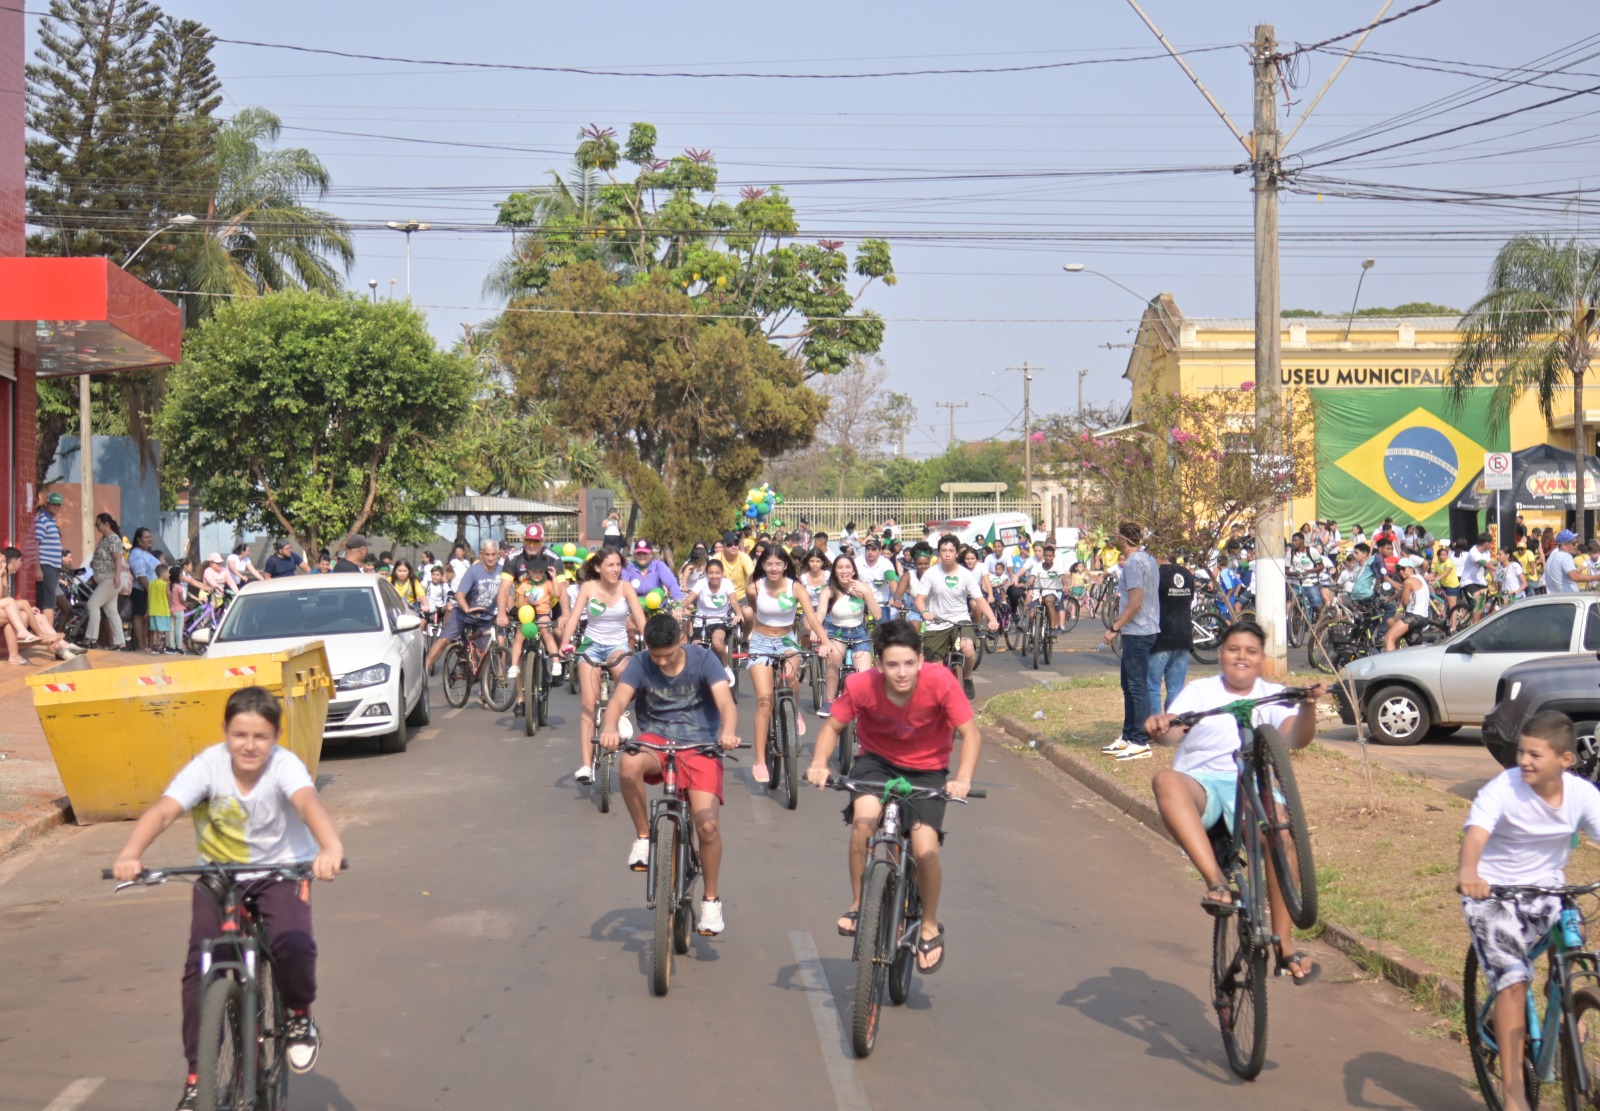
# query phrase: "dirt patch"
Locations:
[[1385, 843]]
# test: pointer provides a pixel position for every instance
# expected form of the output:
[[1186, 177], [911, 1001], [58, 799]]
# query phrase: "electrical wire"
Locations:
[[1358, 31]]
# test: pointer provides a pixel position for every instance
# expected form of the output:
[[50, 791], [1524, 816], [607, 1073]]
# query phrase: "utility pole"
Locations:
[[1082, 374], [952, 406], [1271, 599], [1027, 431]]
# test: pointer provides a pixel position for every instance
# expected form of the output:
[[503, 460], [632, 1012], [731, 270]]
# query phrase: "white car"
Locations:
[[373, 640]]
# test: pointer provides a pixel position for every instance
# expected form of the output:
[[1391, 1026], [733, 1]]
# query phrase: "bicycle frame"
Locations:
[[671, 807], [890, 847], [247, 940], [1249, 814]]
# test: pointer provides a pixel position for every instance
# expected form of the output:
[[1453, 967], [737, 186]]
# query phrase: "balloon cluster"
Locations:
[[759, 501], [572, 553]]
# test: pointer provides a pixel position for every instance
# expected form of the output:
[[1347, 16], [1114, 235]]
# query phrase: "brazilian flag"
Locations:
[[1401, 452]]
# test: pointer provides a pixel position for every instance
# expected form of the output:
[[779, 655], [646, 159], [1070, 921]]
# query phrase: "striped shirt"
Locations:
[[47, 534]]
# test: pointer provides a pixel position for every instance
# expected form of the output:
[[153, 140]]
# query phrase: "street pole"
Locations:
[[1271, 599], [406, 229], [952, 406], [1081, 375], [1027, 432], [85, 469]]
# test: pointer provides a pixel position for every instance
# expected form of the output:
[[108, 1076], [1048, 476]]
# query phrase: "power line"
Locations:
[[1358, 31]]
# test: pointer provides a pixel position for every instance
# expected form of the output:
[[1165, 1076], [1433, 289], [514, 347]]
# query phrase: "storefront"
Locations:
[[1392, 440]]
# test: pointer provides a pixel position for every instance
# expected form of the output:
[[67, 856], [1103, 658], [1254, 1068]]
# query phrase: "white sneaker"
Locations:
[[1134, 752], [584, 774], [513, 671], [710, 917], [555, 669], [639, 855], [1116, 747]]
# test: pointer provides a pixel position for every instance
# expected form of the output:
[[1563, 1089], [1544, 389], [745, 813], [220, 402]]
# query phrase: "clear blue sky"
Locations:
[[981, 285]]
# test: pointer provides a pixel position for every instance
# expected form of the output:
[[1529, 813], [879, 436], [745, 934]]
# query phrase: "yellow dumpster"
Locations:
[[119, 734]]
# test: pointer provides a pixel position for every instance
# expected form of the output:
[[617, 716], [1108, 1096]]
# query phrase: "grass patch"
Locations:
[[1386, 856]]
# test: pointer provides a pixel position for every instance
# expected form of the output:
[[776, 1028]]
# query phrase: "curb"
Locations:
[[58, 814], [1389, 961]]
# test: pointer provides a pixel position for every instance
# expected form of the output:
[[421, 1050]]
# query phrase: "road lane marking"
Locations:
[[448, 714], [73, 1095], [848, 1092]]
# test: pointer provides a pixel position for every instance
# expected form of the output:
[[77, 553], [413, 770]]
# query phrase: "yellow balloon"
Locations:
[[653, 600], [525, 615]]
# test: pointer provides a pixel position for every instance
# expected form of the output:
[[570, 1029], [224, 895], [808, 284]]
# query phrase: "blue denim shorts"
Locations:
[[597, 653], [765, 649], [853, 637]]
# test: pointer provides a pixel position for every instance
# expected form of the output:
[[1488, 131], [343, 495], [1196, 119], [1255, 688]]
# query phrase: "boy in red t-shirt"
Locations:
[[905, 717]]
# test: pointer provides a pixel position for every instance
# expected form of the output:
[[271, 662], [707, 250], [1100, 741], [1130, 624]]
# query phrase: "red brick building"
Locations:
[[58, 317]]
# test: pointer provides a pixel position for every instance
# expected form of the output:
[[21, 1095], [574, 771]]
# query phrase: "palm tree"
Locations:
[[1538, 322], [559, 225], [259, 236]]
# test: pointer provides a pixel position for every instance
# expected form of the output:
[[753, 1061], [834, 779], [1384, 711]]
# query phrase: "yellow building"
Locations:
[[1390, 440]]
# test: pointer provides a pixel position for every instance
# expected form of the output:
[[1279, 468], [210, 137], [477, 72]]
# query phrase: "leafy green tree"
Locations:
[[317, 416], [1412, 308], [974, 462], [896, 478], [1538, 321], [729, 259], [686, 410]]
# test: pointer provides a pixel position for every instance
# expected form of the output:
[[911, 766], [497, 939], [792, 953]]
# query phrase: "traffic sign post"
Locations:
[[1497, 477]]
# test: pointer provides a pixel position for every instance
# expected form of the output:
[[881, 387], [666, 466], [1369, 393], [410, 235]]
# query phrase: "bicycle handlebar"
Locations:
[[705, 748], [1563, 890], [845, 783], [301, 871], [1286, 695]]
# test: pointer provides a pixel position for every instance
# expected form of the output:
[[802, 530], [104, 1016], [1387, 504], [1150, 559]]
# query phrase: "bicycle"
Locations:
[[674, 863], [432, 630], [783, 731], [700, 633], [1041, 630], [605, 760], [1563, 1044], [890, 921], [847, 736], [208, 617], [464, 662], [535, 683], [814, 673], [1267, 803], [240, 1005], [498, 688]]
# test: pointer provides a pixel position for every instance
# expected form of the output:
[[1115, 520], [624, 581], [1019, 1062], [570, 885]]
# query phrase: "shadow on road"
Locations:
[[1169, 1019], [317, 1093], [1411, 1084]]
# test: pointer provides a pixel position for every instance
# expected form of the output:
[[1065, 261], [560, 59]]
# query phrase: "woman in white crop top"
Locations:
[[608, 603], [847, 603], [777, 602]]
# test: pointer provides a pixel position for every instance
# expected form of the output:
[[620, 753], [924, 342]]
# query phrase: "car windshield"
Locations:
[[301, 613]]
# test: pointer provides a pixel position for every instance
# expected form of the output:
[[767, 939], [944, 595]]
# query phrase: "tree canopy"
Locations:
[[317, 416], [686, 409]]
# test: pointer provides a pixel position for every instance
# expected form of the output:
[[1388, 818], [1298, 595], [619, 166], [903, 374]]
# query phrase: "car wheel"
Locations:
[[1397, 715], [1588, 748], [391, 743], [420, 716]]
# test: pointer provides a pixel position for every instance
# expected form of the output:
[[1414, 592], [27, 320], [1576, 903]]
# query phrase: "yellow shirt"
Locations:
[[1445, 570], [737, 567], [1527, 560]]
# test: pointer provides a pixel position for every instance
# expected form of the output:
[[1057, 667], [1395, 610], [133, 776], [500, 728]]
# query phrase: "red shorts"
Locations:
[[695, 772]]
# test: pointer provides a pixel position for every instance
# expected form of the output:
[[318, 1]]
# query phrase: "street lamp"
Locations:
[[181, 221], [1366, 264], [372, 284], [407, 228]]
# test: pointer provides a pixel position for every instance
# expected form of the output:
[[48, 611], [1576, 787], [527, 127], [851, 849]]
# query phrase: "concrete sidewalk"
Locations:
[[32, 799]]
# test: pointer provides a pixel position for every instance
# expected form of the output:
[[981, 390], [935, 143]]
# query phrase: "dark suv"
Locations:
[[1570, 684]]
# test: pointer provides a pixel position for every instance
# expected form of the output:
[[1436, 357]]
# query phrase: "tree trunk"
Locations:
[[1579, 444]]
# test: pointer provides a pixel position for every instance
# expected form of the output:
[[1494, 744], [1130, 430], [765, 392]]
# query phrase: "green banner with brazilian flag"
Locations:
[[1401, 452]]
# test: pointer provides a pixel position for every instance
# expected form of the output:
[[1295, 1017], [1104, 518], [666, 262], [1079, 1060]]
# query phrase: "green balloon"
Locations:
[[530, 629], [778, 498]]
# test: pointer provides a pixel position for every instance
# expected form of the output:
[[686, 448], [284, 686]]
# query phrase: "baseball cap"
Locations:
[[1411, 561], [533, 532], [355, 540], [214, 557], [642, 548], [872, 542], [53, 499], [1566, 536]]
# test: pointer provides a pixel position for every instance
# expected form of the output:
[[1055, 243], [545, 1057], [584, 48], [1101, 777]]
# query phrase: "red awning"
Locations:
[[86, 316]]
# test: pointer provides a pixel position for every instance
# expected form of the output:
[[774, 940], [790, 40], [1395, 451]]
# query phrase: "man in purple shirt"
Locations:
[[646, 573]]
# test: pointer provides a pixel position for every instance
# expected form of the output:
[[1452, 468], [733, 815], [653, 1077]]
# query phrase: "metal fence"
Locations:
[[832, 514]]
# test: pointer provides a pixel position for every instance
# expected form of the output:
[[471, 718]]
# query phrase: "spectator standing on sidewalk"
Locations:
[[1138, 620], [142, 562], [1169, 656], [355, 554], [47, 534], [107, 563]]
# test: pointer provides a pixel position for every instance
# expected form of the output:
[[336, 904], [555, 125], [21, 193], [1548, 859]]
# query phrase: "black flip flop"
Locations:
[[854, 916], [927, 945], [1298, 959], [1216, 907]]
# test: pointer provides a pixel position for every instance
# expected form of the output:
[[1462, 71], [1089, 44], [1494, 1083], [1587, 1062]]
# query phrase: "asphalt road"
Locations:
[[488, 949]]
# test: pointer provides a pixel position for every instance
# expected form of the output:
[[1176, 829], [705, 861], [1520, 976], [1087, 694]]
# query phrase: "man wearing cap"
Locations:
[[47, 534], [517, 567], [354, 557], [1414, 602], [1561, 574], [647, 573]]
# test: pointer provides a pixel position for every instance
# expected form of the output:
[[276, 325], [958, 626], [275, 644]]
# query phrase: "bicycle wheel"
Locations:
[[817, 675], [1298, 626], [603, 759], [664, 872], [875, 942], [222, 1046], [1036, 635], [1014, 633], [847, 748], [544, 690], [1288, 836], [272, 1019], [789, 737], [1069, 613], [1049, 639], [978, 650], [1239, 993], [1580, 1041], [532, 679], [1108, 608], [905, 956], [1475, 1001], [457, 676], [1207, 634], [499, 690]]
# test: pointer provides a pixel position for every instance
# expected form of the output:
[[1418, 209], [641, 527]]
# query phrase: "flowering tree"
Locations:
[[1189, 467]]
